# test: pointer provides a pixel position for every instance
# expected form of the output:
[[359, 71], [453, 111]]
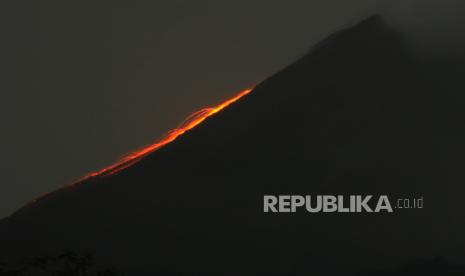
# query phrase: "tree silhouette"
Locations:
[[432, 267], [68, 263]]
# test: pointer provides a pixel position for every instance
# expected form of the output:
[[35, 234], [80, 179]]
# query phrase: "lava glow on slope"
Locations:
[[191, 122]]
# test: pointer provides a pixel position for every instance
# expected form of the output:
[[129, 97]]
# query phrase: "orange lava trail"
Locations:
[[191, 122]]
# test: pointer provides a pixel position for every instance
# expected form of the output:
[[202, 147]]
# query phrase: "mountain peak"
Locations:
[[372, 21], [370, 31]]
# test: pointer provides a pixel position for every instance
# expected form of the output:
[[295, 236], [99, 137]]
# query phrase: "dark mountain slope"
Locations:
[[357, 115]]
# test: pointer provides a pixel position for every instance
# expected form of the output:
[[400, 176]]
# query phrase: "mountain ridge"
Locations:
[[357, 115]]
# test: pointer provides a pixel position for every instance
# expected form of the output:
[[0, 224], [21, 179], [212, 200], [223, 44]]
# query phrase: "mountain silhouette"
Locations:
[[359, 114]]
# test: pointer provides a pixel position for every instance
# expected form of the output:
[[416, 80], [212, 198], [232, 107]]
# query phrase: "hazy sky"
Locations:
[[87, 81]]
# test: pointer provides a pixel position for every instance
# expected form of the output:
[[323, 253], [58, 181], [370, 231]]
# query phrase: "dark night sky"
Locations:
[[88, 81]]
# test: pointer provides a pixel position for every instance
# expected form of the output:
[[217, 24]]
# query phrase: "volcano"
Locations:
[[359, 114]]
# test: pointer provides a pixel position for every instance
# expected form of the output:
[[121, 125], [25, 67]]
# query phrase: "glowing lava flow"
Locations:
[[191, 122]]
